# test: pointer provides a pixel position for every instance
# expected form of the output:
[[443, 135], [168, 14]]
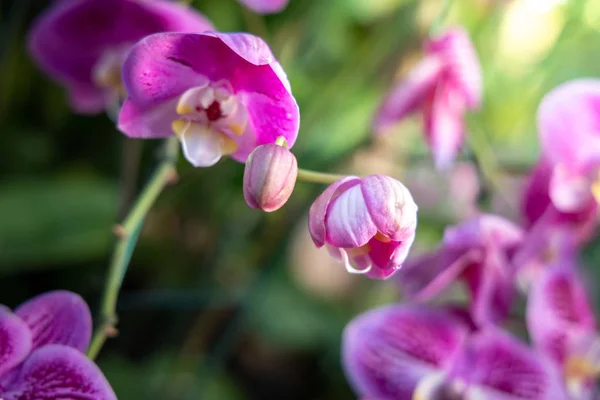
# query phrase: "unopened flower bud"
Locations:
[[269, 177]]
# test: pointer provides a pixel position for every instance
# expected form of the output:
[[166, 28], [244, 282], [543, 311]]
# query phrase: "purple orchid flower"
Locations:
[[265, 6], [367, 223], [537, 207], [562, 325], [41, 354], [545, 246], [446, 83], [478, 252], [415, 352], [569, 131], [82, 43], [220, 93]]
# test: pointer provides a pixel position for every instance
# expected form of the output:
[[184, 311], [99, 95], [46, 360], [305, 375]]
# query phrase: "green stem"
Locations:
[[128, 233], [318, 177]]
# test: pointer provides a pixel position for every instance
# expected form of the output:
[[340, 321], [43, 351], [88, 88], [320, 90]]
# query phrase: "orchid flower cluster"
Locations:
[[429, 348], [163, 71]]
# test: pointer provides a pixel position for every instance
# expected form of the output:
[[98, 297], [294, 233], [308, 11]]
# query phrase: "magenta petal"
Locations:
[[58, 317], [484, 230], [499, 367], [444, 125], [536, 199], [463, 70], [391, 206], [57, 372], [86, 99], [537, 208], [406, 96], [381, 255], [147, 124], [249, 47], [492, 288], [164, 65], [348, 222], [67, 46], [273, 115], [388, 350], [546, 245], [569, 124], [427, 276], [570, 189], [160, 67], [265, 6], [558, 309], [15, 340], [318, 209]]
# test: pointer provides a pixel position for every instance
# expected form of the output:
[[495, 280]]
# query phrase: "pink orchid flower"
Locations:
[[446, 83]]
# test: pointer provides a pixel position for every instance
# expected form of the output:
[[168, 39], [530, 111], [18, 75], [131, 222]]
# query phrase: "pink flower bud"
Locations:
[[367, 223], [269, 177]]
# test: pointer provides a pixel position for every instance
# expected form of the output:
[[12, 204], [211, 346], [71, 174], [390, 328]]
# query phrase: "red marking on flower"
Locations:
[[213, 112]]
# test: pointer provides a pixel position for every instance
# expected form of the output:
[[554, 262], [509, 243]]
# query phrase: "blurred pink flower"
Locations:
[[538, 208], [265, 6], [446, 83], [562, 325], [544, 246], [477, 252], [415, 352], [220, 93], [368, 223], [82, 43], [569, 131]]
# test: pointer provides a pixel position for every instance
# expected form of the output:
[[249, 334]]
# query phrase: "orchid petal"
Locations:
[[500, 367], [57, 372], [147, 124], [67, 46], [569, 191], [265, 6], [456, 49], [444, 126], [273, 116], [558, 309], [492, 288], [15, 340], [406, 96], [427, 276], [387, 351], [58, 317], [319, 208], [569, 124], [391, 206], [484, 230], [348, 222], [86, 99], [203, 147]]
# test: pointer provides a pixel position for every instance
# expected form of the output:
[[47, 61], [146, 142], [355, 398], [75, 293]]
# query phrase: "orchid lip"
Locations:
[[214, 104], [211, 118]]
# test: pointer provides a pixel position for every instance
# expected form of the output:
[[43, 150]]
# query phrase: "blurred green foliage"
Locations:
[[223, 302]]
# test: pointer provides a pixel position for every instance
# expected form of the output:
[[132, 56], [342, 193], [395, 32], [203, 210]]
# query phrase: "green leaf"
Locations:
[[54, 221]]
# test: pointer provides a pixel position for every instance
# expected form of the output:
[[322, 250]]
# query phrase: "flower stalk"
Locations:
[[127, 236], [307, 175]]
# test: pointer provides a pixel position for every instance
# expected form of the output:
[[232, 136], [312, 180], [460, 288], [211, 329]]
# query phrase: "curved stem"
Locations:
[[317, 177], [127, 234]]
